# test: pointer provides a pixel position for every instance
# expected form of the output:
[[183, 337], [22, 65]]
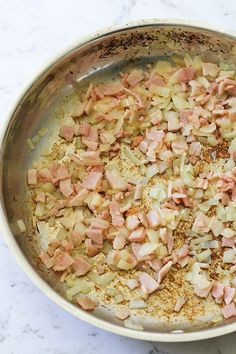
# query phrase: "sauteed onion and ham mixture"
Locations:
[[138, 193]]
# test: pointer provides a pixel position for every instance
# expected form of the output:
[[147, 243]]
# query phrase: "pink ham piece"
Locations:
[[116, 181], [66, 187], [90, 158], [137, 235], [153, 218], [153, 81], [78, 200], [184, 75], [148, 284], [184, 115], [132, 222], [156, 264], [163, 271], [32, 176], [117, 218], [203, 293], [90, 249], [210, 69], [86, 303], [80, 266], [62, 173], [84, 129], [112, 89], [96, 235], [229, 295], [217, 290], [229, 311], [99, 223], [92, 180], [46, 259], [183, 251], [228, 242], [66, 132], [91, 139], [62, 262]]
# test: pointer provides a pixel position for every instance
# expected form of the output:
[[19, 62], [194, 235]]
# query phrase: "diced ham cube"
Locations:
[[46, 259], [95, 235], [153, 218], [90, 249], [78, 200], [229, 311], [84, 129], [80, 266], [62, 262], [217, 290], [185, 74], [229, 295], [66, 132], [148, 284], [66, 187], [117, 218]]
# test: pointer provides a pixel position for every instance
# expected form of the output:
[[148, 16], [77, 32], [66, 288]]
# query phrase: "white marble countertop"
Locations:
[[32, 31]]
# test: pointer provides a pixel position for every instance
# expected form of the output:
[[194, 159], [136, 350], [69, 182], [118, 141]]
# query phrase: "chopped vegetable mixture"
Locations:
[[138, 193]]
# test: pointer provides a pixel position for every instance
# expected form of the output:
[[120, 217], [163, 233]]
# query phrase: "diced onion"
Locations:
[[137, 304], [21, 225], [147, 248], [229, 255]]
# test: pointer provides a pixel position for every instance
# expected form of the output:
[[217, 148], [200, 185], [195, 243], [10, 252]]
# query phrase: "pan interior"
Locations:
[[50, 99]]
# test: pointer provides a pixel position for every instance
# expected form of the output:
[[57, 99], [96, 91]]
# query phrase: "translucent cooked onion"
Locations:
[[147, 248], [21, 225], [228, 233], [229, 256], [137, 304], [132, 157], [80, 287]]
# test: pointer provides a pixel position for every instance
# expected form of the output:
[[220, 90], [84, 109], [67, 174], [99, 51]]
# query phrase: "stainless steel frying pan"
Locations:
[[47, 99]]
